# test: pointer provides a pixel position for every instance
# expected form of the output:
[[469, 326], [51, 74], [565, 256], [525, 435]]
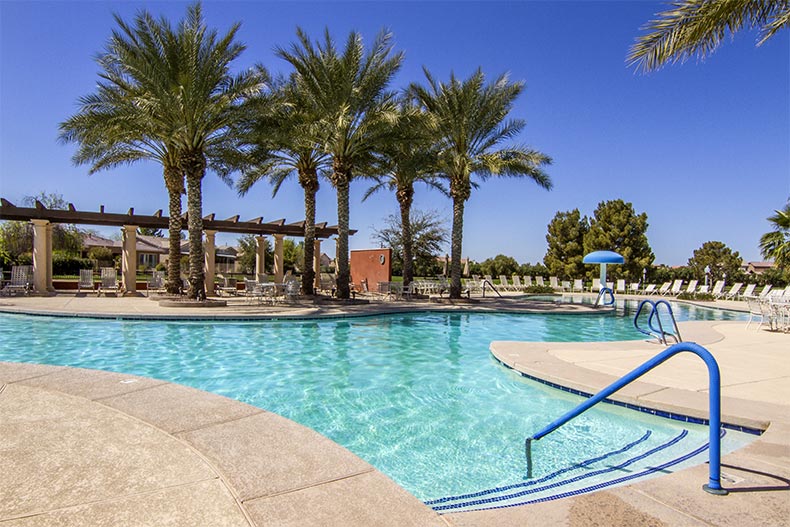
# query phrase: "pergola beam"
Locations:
[[9, 211]]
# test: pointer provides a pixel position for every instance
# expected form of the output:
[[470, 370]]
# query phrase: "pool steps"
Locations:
[[636, 460]]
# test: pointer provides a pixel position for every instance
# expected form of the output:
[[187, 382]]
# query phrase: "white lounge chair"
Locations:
[[765, 291], [733, 292], [21, 280], [109, 280], [749, 291], [85, 281]]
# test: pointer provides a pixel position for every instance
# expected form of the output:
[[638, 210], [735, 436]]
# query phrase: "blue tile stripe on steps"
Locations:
[[602, 485], [546, 478], [557, 484]]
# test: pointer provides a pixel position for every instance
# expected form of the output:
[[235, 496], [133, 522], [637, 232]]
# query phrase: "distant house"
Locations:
[[153, 250], [756, 267]]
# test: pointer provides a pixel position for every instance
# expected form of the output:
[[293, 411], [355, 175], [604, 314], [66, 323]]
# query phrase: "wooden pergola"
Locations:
[[43, 218]]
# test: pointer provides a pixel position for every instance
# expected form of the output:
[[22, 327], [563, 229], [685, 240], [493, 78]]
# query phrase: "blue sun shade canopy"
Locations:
[[607, 257]]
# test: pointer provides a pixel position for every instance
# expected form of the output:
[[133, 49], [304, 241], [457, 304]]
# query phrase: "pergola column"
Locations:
[[210, 256], [260, 256], [50, 287], [279, 270], [129, 260], [42, 259], [317, 263]]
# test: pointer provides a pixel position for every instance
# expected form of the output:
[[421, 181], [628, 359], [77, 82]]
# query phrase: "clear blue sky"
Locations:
[[703, 148]]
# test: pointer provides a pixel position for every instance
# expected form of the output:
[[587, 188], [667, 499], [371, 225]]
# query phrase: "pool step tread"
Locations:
[[633, 461]]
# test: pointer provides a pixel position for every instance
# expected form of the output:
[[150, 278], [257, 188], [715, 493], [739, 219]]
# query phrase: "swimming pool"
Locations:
[[417, 395]]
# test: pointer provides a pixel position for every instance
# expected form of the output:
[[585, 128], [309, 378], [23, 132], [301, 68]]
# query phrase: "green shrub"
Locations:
[[65, 264], [539, 290]]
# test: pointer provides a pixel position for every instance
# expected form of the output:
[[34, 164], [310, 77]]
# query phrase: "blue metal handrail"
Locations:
[[659, 332], [714, 402], [601, 293]]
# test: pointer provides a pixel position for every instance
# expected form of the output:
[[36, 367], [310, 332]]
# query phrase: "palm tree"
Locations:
[[471, 122], [283, 136], [112, 129], [409, 158], [348, 93], [203, 99], [776, 244], [697, 27]]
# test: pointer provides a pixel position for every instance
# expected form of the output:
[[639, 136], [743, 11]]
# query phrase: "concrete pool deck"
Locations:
[[81, 447]]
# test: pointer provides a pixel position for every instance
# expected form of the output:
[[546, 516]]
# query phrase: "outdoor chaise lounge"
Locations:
[[109, 280], [85, 281], [732, 293], [20, 280]]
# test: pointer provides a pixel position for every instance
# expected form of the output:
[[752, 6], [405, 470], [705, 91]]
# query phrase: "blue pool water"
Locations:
[[417, 395]]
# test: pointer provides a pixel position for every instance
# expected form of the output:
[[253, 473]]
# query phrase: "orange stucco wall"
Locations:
[[367, 265]]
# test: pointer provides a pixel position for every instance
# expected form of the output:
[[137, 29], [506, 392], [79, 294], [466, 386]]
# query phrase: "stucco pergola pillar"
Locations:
[[279, 268], [317, 263], [209, 265], [129, 260], [41, 258], [50, 287], [260, 256]]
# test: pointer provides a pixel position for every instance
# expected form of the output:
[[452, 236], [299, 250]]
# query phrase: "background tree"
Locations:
[[472, 124], [721, 260], [409, 157], [697, 27], [248, 250], [152, 231], [349, 92], [16, 237], [565, 239], [775, 245], [500, 264], [615, 226], [429, 239]]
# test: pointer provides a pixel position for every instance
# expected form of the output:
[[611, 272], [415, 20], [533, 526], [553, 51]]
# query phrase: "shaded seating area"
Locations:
[[21, 281]]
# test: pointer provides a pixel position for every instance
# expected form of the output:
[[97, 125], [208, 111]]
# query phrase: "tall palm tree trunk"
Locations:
[[405, 199], [174, 181], [455, 252], [343, 273], [194, 166], [310, 187]]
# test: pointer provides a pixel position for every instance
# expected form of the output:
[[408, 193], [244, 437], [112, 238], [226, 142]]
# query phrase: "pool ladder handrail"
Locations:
[[714, 408], [601, 293], [659, 332], [494, 289]]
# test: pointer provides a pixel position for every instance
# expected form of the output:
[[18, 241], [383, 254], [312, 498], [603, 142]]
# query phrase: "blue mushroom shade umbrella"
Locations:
[[603, 258]]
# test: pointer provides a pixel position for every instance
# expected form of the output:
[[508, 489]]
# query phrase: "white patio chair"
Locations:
[[85, 281], [733, 292], [109, 280], [21, 280]]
